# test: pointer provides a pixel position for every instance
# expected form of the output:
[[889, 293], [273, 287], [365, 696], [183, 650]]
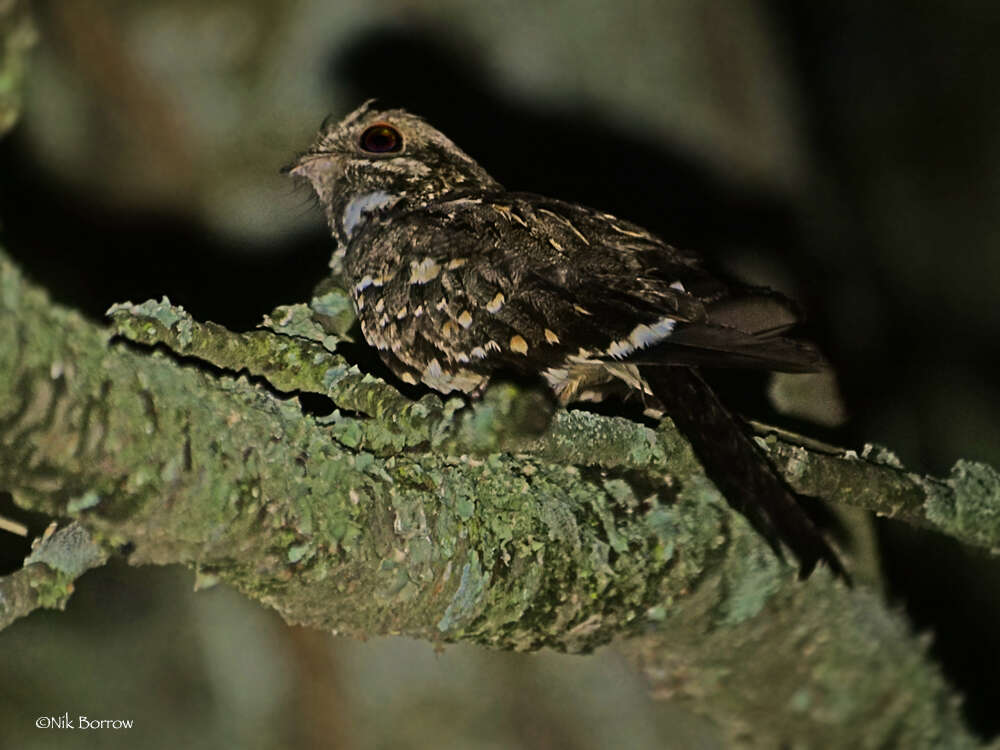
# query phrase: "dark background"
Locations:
[[847, 154]]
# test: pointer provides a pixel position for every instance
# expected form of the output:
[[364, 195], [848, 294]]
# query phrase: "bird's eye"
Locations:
[[381, 138]]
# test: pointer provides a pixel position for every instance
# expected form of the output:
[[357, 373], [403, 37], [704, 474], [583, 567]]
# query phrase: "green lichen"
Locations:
[[298, 552], [300, 362], [334, 312], [302, 321], [468, 600], [749, 587], [882, 455], [70, 551], [967, 504], [53, 592], [163, 312], [423, 519], [88, 500]]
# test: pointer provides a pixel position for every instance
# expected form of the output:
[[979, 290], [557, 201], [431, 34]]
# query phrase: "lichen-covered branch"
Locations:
[[964, 505], [46, 580], [440, 522]]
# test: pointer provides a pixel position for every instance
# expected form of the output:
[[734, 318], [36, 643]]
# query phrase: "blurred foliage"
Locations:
[[17, 35], [194, 106]]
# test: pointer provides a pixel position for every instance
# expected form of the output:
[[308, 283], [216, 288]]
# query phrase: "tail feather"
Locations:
[[700, 345], [742, 473]]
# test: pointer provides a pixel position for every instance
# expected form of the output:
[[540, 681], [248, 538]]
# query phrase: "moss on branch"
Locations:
[[447, 522]]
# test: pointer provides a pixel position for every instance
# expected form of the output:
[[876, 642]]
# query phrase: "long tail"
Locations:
[[737, 466]]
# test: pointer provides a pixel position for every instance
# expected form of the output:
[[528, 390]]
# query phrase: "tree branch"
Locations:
[[46, 580], [448, 523], [964, 505]]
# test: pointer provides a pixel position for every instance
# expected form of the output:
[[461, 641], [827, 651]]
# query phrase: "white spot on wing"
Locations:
[[463, 380], [368, 281], [496, 303], [619, 349], [641, 337], [556, 377], [424, 271]]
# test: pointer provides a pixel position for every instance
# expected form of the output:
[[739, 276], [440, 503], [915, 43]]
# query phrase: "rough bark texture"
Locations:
[[448, 523]]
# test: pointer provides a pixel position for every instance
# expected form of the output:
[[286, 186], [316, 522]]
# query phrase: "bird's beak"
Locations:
[[297, 167], [313, 166]]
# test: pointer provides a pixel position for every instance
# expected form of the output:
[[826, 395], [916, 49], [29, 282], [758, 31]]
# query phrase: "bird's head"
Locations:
[[374, 158]]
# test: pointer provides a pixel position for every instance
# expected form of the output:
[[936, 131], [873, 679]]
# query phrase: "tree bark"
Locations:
[[171, 441]]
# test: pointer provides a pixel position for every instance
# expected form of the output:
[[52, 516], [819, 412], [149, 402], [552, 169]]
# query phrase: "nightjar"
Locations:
[[454, 278]]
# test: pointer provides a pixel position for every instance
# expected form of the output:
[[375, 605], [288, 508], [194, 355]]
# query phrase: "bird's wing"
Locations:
[[517, 281]]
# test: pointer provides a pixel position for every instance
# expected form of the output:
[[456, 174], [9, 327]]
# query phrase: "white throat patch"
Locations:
[[363, 204]]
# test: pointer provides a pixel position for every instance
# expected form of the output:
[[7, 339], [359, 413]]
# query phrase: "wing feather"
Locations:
[[529, 283]]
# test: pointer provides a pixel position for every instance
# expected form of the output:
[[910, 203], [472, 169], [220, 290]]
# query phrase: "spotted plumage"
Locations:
[[454, 278]]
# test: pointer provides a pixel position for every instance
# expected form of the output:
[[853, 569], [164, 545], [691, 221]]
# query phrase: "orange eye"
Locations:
[[381, 138]]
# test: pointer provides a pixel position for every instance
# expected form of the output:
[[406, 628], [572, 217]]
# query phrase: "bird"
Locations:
[[454, 279]]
